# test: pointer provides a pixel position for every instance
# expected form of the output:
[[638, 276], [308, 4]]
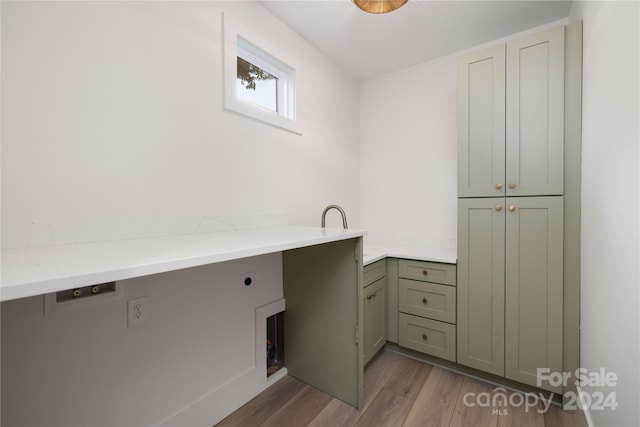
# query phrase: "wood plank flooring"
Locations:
[[398, 391]]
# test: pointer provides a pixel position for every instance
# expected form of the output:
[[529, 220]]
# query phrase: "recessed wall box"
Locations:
[[84, 296]]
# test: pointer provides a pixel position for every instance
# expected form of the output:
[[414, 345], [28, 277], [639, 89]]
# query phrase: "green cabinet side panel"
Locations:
[[534, 288], [572, 190], [481, 123], [392, 300], [481, 257], [375, 319], [535, 114], [322, 287]]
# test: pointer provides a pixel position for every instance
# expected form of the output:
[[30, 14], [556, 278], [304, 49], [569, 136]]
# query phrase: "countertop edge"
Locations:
[[376, 251], [40, 270]]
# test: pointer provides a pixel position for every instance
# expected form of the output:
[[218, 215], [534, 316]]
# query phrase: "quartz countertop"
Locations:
[[377, 251], [39, 270]]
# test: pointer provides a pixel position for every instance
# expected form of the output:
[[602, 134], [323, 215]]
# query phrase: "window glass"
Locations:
[[256, 85]]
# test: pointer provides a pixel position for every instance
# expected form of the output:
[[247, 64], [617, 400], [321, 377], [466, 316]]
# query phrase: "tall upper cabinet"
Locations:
[[510, 118], [511, 156]]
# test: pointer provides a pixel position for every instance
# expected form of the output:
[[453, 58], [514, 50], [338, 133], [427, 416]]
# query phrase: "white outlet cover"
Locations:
[[137, 311]]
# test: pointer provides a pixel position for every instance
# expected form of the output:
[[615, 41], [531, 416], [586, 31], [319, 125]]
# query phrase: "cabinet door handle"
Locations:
[[512, 208], [512, 185], [424, 300], [498, 185], [369, 296], [498, 208], [424, 337]]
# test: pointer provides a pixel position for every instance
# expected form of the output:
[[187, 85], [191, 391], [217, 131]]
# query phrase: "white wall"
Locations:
[[408, 154], [113, 124], [610, 281], [114, 127], [85, 367]]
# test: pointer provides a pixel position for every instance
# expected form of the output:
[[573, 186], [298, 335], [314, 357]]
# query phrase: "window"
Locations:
[[257, 83]]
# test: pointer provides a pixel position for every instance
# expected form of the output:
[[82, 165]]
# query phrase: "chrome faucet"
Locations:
[[344, 215]]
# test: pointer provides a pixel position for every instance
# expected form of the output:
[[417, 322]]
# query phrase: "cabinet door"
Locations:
[[481, 123], [535, 114], [534, 288], [375, 320], [323, 288], [481, 233]]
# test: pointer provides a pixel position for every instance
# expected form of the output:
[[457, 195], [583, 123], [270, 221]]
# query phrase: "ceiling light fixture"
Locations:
[[379, 6]]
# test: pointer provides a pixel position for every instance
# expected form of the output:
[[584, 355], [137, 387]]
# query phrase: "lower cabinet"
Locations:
[[428, 336], [427, 305], [375, 308], [510, 286]]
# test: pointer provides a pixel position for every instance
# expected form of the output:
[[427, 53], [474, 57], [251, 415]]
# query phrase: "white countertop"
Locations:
[[376, 251], [40, 270]]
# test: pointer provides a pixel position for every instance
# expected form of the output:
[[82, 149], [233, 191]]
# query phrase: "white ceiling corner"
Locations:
[[368, 45]]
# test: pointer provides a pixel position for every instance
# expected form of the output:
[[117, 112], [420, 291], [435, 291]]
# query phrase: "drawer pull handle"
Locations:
[[424, 300], [512, 185], [424, 337], [498, 185], [512, 208], [498, 208], [425, 272]]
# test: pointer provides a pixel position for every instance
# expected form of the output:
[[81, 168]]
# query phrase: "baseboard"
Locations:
[[221, 402], [585, 408]]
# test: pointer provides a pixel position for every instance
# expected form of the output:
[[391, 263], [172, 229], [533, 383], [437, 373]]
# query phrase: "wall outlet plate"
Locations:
[[137, 311]]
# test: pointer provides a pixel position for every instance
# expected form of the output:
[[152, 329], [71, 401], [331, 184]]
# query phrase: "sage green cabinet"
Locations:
[[534, 288], [375, 319], [510, 286], [510, 248], [511, 118], [535, 114], [323, 288], [428, 336], [481, 279], [437, 302], [481, 123], [427, 307], [375, 308]]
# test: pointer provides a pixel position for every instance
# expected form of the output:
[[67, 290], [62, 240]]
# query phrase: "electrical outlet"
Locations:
[[137, 311]]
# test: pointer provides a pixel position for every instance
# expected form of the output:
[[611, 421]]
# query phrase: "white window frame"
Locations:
[[240, 42]]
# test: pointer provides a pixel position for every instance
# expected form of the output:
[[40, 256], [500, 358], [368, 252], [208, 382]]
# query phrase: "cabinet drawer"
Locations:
[[427, 336], [373, 272], [425, 299], [433, 272]]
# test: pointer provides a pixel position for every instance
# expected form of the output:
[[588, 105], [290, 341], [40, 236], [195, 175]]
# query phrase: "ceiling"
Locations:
[[368, 45]]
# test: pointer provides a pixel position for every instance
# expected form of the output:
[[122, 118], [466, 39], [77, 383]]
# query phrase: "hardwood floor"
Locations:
[[399, 391]]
